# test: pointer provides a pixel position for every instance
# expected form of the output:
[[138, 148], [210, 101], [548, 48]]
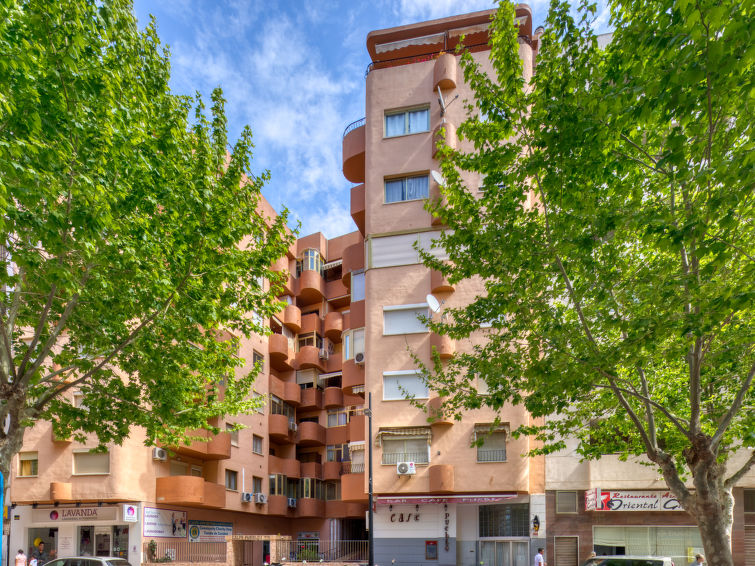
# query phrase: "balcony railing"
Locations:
[[184, 551], [321, 550], [354, 125], [491, 455], [352, 467], [395, 458]]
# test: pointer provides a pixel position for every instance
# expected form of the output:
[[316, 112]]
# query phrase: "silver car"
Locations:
[[628, 561], [88, 561]]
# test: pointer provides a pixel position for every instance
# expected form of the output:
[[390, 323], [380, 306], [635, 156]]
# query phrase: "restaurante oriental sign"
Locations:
[[608, 500]]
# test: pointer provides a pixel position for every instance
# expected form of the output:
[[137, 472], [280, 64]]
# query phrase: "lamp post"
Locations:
[[370, 532]]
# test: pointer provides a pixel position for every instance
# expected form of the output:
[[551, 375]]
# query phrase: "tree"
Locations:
[[133, 244], [615, 234]]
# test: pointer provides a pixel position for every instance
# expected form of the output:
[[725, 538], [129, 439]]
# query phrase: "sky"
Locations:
[[294, 72]]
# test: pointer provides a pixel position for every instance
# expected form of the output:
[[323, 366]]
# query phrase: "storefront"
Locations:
[[92, 530]]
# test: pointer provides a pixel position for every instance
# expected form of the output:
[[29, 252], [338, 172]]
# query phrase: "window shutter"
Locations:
[[567, 550], [566, 502]]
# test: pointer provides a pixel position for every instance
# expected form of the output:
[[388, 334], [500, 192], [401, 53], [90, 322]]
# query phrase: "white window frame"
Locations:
[[404, 439], [411, 307], [405, 178], [405, 373], [348, 348], [86, 451], [405, 112], [234, 434], [261, 443], [31, 456]]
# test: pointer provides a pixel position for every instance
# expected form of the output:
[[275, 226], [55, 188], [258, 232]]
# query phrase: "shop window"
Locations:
[[231, 480], [91, 463], [28, 464], [508, 520], [257, 442], [566, 502]]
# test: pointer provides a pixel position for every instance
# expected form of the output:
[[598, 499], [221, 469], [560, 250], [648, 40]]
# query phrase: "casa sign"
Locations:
[[610, 500]]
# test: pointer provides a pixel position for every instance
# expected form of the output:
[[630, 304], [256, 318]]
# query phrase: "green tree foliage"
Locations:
[[615, 234], [133, 243]]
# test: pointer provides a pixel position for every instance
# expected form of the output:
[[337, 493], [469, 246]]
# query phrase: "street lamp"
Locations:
[[370, 535]]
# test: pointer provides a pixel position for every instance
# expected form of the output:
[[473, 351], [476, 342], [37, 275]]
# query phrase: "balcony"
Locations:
[[443, 344], [445, 72], [291, 317], [435, 413], [356, 315], [311, 434], [353, 259], [445, 133], [281, 266], [333, 397], [353, 487], [310, 288], [311, 399], [357, 428], [331, 471], [306, 507], [353, 151], [311, 470], [60, 491], [218, 447], [333, 326], [439, 282], [277, 505], [358, 207], [286, 390], [190, 491], [352, 376], [280, 352], [279, 429], [337, 435], [290, 467], [343, 509], [441, 478], [309, 357]]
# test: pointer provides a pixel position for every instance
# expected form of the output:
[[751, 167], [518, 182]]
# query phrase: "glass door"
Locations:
[[102, 539], [504, 553]]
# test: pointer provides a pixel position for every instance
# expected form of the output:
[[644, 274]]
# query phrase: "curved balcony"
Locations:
[[311, 399], [310, 288], [280, 353], [353, 151], [311, 434], [281, 266], [278, 429], [353, 487], [446, 133], [218, 447], [439, 283], [445, 72], [352, 376], [436, 414], [358, 207], [445, 346], [337, 435], [356, 315], [333, 326], [190, 491], [441, 478], [306, 507], [290, 467], [344, 509], [214, 495], [277, 505], [353, 259], [311, 322], [331, 471], [311, 470], [357, 428], [333, 397], [61, 491], [309, 357], [292, 318]]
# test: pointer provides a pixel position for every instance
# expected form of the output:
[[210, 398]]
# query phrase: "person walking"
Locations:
[[40, 554], [699, 560], [20, 558], [539, 559]]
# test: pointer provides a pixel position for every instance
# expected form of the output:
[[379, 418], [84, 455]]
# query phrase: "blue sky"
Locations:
[[294, 71]]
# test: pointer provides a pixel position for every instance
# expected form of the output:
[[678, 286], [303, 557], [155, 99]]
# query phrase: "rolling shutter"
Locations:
[[750, 545], [566, 549]]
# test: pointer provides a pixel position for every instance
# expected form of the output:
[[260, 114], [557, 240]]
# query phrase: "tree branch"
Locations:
[[735, 406], [736, 476]]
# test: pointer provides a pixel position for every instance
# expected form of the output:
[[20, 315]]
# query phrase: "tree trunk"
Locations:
[[714, 516]]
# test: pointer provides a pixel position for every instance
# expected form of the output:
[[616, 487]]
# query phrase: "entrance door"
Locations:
[[102, 538], [505, 552]]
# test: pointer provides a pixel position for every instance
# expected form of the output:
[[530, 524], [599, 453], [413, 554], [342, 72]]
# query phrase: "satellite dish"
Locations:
[[437, 177], [433, 303]]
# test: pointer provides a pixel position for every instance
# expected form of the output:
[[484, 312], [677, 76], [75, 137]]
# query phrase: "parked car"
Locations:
[[628, 561], [89, 561]]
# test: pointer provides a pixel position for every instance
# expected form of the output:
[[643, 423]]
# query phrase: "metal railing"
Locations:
[[184, 551], [491, 455], [354, 125], [316, 550], [352, 467], [395, 458]]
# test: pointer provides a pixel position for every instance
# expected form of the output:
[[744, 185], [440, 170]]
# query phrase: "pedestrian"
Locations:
[[699, 559], [539, 560], [40, 554], [20, 558]]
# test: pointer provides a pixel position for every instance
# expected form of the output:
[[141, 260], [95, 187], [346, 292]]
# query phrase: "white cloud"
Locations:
[[418, 10]]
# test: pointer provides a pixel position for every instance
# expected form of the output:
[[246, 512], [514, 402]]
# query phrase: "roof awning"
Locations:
[[404, 432], [332, 264]]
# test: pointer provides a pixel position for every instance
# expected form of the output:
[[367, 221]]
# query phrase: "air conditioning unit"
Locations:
[[292, 502], [247, 497], [406, 469], [159, 454], [292, 426], [359, 358], [323, 354], [260, 498]]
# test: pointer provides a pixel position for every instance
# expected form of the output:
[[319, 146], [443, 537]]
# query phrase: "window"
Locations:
[[256, 444], [401, 385], [390, 251], [311, 260], [332, 491], [482, 386], [337, 418], [196, 471], [310, 488], [279, 407], [179, 468], [309, 339], [28, 464], [357, 287], [91, 463], [258, 358], [353, 343], [231, 480], [78, 400], [566, 502], [256, 484], [231, 429], [338, 453], [406, 188], [405, 446], [278, 484], [403, 122], [510, 520], [404, 319], [493, 447], [307, 378], [749, 500]]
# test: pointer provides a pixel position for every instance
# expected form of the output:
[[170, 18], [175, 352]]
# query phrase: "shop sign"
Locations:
[[209, 531], [608, 500], [481, 499], [164, 523], [87, 514], [130, 513]]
